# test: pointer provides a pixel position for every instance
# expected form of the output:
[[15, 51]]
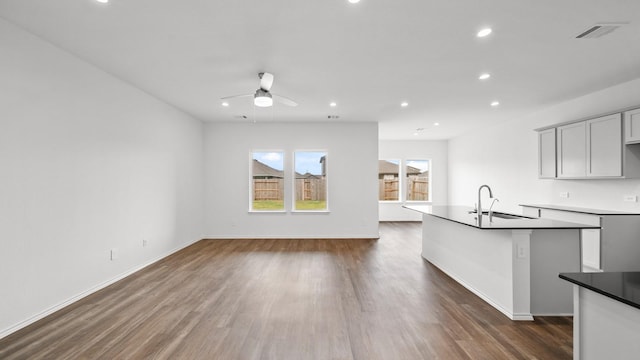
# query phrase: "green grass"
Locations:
[[278, 205], [311, 205], [268, 205]]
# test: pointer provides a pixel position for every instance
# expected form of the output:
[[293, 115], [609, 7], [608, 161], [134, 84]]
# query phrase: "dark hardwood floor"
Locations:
[[290, 299]]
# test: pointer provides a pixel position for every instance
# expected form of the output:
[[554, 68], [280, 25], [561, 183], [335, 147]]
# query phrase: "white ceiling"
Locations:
[[367, 57]]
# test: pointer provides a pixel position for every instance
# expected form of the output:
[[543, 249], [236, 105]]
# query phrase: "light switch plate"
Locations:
[[564, 194], [631, 198]]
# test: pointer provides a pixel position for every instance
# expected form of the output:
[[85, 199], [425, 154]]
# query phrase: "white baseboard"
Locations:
[[8, 331], [289, 237], [556, 314]]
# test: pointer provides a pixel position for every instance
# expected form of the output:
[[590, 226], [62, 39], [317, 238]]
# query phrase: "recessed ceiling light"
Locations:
[[333, 104], [225, 104], [495, 103], [354, 1], [484, 76], [484, 32], [103, 1], [404, 104], [415, 134], [436, 124]]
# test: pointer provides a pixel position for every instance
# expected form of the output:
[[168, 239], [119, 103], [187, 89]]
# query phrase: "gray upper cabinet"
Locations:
[[632, 126], [604, 146], [572, 150], [547, 154], [591, 149]]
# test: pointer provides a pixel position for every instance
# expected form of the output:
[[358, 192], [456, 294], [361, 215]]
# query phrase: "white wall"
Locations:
[[505, 157], [87, 164], [352, 167], [404, 150]]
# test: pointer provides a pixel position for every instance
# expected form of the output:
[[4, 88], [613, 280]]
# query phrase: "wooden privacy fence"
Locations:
[[311, 189], [388, 189], [417, 188], [268, 189]]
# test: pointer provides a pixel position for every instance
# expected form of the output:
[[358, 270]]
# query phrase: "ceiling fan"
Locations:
[[262, 97]]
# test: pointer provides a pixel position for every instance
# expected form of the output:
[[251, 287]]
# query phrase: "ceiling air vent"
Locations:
[[599, 30]]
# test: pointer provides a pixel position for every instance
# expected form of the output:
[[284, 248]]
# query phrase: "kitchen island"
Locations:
[[606, 320], [510, 261]]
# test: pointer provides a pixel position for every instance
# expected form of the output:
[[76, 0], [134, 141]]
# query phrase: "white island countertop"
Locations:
[[465, 215]]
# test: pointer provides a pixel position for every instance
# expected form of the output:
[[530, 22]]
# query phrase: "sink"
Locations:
[[506, 216], [502, 215]]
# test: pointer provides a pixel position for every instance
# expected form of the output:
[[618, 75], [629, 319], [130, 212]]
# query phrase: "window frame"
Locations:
[[252, 182], [429, 178], [326, 167], [400, 182]]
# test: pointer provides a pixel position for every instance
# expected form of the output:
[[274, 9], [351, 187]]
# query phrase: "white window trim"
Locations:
[[293, 183], [400, 183], [251, 189], [430, 182]]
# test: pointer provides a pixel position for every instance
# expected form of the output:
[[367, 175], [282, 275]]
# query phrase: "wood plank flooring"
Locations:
[[290, 299]]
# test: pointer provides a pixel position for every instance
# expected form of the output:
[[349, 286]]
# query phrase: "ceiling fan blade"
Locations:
[[266, 80], [284, 100], [236, 96]]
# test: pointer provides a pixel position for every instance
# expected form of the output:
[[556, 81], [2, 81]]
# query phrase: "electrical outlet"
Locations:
[[114, 254], [145, 242], [631, 198], [520, 252], [564, 194]]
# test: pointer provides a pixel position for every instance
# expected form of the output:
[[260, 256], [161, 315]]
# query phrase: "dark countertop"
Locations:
[[620, 286], [460, 214], [580, 210]]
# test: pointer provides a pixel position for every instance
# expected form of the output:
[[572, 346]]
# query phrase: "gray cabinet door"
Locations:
[[632, 126], [604, 146], [547, 154], [572, 150]]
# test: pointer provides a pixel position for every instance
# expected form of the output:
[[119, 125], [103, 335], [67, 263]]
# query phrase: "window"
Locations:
[[418, 180], [310, 185], [267, 181], [389, 180]]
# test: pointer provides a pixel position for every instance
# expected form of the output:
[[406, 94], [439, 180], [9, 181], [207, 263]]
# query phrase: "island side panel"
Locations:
[[607, 329], [480, 260], [552, 252]]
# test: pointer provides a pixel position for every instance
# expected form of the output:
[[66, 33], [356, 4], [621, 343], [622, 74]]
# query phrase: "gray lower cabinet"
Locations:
[[615, 247]]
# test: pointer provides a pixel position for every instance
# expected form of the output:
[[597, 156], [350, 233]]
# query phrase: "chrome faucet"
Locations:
[[480, 197], [491, 209]]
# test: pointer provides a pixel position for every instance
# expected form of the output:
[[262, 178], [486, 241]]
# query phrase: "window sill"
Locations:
[[310, 211]]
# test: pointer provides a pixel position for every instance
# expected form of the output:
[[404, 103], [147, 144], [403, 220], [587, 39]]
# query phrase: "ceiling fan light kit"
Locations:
[[262, 97]]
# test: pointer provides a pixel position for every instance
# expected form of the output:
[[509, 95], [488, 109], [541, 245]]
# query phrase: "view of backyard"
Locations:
[[310, 184]]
